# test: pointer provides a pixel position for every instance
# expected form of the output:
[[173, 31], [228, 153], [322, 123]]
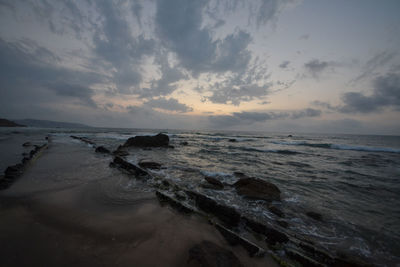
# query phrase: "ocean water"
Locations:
[[353, 181]]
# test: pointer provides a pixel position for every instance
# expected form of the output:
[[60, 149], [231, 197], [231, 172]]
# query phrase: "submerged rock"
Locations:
[[159, 140], [149, 164], [184, 143], [209, 254], [257, 189], [120, 151], [232, 140], [316, 216], [102, 149]]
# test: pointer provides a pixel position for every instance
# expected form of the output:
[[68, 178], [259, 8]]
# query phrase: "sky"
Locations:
[[257, 65]]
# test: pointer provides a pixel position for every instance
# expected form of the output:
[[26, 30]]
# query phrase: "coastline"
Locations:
[[68, 222]]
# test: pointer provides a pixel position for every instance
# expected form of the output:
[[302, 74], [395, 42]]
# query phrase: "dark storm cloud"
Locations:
[[170, 104], [248, 118], [316, 67], [386, 93], [29, 74], [179, 27]]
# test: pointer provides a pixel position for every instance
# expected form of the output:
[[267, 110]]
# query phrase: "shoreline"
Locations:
[[74, 227]]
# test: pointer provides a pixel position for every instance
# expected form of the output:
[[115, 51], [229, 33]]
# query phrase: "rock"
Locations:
[[282, 223], [316, 216], [257, 189], [83, 139], [131, 168], [159, 140], [273, 236], [26, 144], [209, 254], [276, 211], [232, 140], [301, 258], [164, 198], [290, 135], [120, 151], [216, 184], [102, 149], [8, 123], [235, 239], [226, 214], [184, 143], [149, 165], [180, 195]]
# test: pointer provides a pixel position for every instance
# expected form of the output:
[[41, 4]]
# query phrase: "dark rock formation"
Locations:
[[273, 236], [159, 140], [131, 168], [234, 239], [102, 149], [26, 144], [226, 214], [149, 164], [213, 183], [83, 139], [232, 140], [7, 123], [164, 198], [209, 254], [302, 259], [13, 172], [184, 143], [316, 216], [276, 211], [257, 189], [120, 151]]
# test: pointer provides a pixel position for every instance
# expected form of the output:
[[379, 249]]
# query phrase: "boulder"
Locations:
[[159, 140], [149, 164], [209, 254], [184, 143], [232, 140], [257, 189], [120, 151], [102, 149]]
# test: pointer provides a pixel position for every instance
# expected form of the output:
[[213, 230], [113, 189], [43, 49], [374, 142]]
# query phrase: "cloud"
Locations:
[[244, 86], [268, 10], [248, 118], [376, 62], [304, 37], [179, 27], [316, 67], [386, 93], [32, 76], [284, 64], [170, 104]]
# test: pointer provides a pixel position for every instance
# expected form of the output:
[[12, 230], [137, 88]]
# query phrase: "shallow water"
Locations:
[[353, 181]]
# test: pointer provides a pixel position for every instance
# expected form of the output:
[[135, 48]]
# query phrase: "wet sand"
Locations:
[[70, 208]]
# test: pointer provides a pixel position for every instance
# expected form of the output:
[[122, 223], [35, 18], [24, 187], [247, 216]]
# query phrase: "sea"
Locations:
[[353, 181]]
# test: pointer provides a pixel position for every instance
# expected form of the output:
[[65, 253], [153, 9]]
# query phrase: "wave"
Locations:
[[339, 146], [252, 149]]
